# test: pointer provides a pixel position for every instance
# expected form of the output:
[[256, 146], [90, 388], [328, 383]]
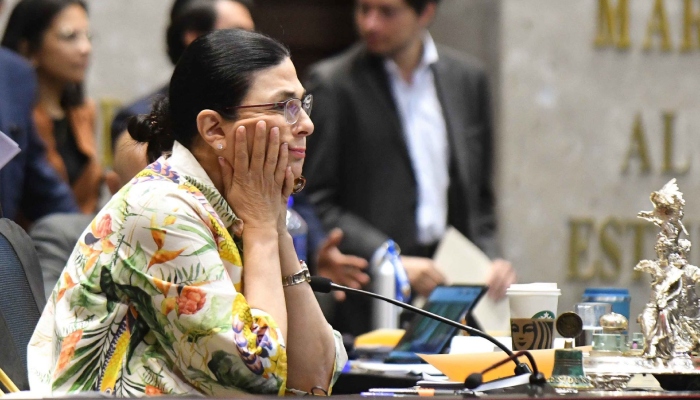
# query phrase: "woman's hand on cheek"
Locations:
[[254, 184]]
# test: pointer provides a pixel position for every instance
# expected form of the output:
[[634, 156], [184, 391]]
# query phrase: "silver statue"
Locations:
[[670, 322]]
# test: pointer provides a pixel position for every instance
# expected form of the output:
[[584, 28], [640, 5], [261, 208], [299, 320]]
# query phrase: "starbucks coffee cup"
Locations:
[[533, 308], [533, 300]]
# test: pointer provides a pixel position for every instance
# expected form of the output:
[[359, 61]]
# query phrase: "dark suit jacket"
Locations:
[[28, 184], [359, 171]]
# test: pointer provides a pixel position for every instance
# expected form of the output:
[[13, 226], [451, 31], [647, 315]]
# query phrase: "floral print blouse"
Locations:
[[150, 301]]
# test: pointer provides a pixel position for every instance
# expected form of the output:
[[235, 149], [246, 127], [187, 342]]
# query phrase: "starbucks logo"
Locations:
[[544, 315]]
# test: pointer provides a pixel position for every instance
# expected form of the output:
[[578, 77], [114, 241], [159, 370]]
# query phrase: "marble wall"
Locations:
[[587, 132]]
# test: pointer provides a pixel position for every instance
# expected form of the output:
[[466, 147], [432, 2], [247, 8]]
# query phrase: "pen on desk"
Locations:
[[421, 392]]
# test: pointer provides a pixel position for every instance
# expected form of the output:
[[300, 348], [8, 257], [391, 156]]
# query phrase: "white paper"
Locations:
[[8, 149], [379, 366], [463, 262]]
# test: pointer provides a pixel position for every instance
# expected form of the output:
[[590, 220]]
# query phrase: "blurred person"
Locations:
[[29, 187], [187, 281], [54, 35], [404, 148]]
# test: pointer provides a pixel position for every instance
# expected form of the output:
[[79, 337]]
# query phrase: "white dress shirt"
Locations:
[[425, 133]]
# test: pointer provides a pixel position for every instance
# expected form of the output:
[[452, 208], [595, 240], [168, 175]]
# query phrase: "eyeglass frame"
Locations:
[[285, 104]]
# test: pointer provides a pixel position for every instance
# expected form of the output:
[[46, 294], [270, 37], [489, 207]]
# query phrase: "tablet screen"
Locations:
[[426, 335]]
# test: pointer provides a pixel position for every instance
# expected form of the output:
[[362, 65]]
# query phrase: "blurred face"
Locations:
[[388, 26], [273, 85], [233, 15], [65, 49]]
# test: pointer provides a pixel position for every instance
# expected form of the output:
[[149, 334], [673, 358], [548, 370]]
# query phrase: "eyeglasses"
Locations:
[[73, 35], [292, 107]]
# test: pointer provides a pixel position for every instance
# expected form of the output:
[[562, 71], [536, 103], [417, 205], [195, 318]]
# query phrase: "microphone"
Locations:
[[325, 285], [536, 378]]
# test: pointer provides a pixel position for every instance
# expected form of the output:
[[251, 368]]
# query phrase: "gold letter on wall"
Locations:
[[658, 24], [608, 19], [667, 166], [638, 148], [690, 20], [611, 250], [580, 230]]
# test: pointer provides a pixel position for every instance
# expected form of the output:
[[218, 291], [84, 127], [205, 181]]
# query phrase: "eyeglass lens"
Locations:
[[293, 108]]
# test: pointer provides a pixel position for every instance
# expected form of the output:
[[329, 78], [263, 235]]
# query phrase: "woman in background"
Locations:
[[54, 36], [187, 281]]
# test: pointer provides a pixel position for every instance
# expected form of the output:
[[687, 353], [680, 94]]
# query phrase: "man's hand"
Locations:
[[340, 268], [422, 274], [500, 276]]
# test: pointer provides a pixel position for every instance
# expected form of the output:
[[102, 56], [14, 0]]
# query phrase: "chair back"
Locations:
[[21, 299]]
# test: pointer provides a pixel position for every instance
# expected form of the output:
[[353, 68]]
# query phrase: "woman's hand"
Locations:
[[256, 183], [341, 268]]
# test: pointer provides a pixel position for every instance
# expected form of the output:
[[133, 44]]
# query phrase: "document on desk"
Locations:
[[463, 262], [8, 149]]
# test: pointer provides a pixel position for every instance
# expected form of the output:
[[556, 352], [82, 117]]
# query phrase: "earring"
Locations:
[[299, 184], [220, 146]]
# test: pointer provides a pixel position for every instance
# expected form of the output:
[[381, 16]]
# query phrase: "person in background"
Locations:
[[54, 35], [404, 148], [187, 281], [29, 187]]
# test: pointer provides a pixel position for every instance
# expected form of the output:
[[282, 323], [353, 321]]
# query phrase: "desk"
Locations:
[[581, 396]]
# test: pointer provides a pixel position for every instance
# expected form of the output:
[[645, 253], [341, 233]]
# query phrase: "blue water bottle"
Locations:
[[296, 226]]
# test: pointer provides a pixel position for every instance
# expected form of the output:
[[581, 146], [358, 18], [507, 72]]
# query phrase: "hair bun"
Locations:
[[153, 128]]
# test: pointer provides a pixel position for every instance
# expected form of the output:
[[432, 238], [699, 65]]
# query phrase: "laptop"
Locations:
[[428, 336]]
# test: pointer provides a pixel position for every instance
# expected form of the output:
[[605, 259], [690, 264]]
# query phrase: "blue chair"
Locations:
[[21, 299]]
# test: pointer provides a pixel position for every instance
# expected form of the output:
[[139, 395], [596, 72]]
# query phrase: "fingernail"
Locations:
[[285, 144], [221, 160]]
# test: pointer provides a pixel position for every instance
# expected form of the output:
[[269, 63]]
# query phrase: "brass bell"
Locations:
[[567, 373]]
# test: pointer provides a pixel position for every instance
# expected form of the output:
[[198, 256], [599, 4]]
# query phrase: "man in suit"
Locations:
[[29, 186], [403, 147]]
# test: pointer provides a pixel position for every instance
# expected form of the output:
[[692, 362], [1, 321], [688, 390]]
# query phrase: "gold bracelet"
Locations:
[[299, 277]]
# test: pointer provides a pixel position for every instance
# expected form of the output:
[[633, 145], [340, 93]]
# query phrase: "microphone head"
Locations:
[[473, 381], [320, 284], [537, 379]]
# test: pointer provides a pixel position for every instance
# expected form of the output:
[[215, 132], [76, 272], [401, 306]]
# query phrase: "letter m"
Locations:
[[613, 24]]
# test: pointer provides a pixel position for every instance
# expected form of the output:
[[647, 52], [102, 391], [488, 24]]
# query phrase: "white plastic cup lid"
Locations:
[[537, 287]]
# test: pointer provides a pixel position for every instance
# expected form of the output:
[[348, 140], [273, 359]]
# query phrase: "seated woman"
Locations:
[[54, 36], [187, 280]]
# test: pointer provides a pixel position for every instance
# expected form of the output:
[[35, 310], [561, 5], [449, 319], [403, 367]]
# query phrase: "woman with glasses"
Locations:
[[54, 36], [187, 281]]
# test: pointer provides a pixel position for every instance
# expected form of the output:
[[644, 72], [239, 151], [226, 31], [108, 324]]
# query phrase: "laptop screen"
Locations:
[[428, 336]]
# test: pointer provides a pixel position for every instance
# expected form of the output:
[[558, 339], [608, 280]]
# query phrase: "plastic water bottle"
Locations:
[[298, 229], [390, 280]]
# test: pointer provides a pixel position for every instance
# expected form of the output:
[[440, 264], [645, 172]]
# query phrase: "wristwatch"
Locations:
[[294, 279]]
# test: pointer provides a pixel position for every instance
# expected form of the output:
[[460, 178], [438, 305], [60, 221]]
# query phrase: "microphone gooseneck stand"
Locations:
[[473, 381]]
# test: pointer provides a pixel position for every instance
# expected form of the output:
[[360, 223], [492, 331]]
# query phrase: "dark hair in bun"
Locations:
[[214, 73], [153, 128]]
